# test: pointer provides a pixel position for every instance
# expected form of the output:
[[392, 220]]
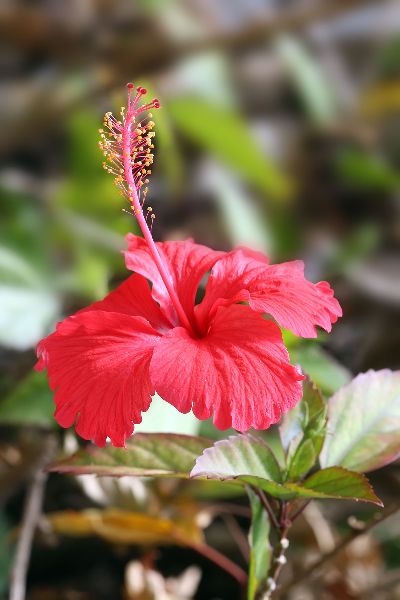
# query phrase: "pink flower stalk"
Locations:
[[221, 357]]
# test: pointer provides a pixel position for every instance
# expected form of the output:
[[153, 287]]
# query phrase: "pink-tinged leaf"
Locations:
[[364, 423], [145, 455], [238, 455], [248, 460]]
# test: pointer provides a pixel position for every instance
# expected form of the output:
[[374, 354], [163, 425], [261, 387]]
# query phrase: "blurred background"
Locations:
[[279, 129]]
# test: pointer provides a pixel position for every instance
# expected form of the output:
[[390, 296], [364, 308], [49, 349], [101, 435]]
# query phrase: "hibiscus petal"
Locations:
[[279, 290], [239, 371], [132, 297], [187, 262], [98, 365]]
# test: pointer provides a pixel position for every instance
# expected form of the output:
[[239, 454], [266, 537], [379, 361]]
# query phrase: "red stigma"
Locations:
[[130, 86], [156, 103], [142, 90]]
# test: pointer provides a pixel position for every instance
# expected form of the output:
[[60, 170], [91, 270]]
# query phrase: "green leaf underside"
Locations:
[[222, 132], [260, 548], [243, 459], [364, 422], [146, 454]]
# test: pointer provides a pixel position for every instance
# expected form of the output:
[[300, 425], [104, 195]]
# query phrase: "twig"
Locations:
[[298, 512], [219, 559], [32, 509], [312, 569], [267, 507]]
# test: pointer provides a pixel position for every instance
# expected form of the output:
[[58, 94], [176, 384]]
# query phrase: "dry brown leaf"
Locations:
[[125, 527]]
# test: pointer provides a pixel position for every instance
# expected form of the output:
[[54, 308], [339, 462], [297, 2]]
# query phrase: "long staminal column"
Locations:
[[127, 145]]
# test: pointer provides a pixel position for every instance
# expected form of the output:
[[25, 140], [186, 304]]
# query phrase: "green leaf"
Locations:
[[223, 132], [367, 171], [325, 371], [337, 482], [364, 422], [240, 215], [146, 454], [334, 482], [30, 403], [303, 460], [308, 416], [236, 456], [28, 307], [162, 417], [14, 268], [303, 431], [249, 461], [26, 315], [260, 547], [355, 248], [309, 79]]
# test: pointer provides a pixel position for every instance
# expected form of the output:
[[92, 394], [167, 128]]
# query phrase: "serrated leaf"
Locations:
[[238, 455], [249, 461], [30, 403], [260, 547], [223, 132], [364, 422], [146, 454], [333, 482], [337, 482]]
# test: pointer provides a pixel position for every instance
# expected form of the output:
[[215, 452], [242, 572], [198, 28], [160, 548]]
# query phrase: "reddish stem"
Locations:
[[221, 560]]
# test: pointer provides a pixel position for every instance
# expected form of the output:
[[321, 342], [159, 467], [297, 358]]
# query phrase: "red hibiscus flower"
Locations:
[[220, 358]]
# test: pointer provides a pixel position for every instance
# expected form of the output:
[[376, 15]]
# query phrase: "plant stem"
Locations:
[[268, 586], [298, 512], [267, 507], [219, 559], [348, 539]]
